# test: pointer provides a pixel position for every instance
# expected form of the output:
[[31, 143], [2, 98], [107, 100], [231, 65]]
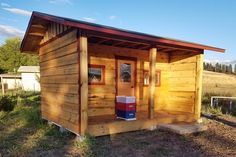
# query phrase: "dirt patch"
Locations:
[[218, 140]]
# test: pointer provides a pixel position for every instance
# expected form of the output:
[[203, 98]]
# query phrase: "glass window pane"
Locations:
[[95, 75], [125, 72], [146, 78]]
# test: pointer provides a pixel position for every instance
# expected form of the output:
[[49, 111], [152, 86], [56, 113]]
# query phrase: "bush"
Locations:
[[7, 103]]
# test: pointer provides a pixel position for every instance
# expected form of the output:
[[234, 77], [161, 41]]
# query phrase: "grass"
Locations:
[[217, 84], [23, 131]]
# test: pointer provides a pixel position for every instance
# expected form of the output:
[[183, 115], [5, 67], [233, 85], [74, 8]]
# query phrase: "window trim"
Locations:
[[102, 74], [156, 85]]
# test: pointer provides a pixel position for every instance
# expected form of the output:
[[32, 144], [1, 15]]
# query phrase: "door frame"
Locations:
[[135, 70]]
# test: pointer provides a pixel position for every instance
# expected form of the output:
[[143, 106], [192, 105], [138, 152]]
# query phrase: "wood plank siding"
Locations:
[[59, 77], [84, 65], [178, 77]]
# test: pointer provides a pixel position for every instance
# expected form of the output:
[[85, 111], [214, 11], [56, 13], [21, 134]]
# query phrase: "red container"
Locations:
[[125, 106]]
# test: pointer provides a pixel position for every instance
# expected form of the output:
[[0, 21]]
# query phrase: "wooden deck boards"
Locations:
[[108, 124]]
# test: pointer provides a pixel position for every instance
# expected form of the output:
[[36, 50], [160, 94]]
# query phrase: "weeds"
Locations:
[[86, 145], [7, 103]]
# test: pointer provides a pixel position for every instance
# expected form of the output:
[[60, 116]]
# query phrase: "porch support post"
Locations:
[[198, 96], [152, 78], [3, 90], [83, 52]]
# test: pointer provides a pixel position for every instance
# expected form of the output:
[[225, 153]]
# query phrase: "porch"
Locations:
[[109, 124]]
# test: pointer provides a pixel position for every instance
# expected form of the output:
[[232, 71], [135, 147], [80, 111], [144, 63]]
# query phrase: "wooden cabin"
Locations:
[[84, 66]]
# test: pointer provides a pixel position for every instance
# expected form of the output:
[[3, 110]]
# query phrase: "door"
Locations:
[[125, 73]]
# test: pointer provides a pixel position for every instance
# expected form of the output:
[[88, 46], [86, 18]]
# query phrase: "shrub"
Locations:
[[7, 103]]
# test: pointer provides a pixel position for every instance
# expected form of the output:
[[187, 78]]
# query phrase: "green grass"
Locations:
[[22, 130]]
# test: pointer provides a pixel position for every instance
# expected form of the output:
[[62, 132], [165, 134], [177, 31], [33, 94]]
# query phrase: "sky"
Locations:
[[209, 22]]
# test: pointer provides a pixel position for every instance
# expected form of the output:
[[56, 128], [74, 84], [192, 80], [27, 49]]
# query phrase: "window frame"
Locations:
[[156, 85], [102, 74]]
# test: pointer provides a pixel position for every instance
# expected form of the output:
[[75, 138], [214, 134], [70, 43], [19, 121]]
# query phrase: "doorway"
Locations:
[[125, 76]]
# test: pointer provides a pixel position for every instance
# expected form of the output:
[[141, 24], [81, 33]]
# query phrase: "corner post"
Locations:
[[3, 90], [83, 59], [152, 78], [198, 96]]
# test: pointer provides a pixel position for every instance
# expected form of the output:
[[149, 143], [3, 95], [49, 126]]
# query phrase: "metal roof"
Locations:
[[31, 42], [28, 69]]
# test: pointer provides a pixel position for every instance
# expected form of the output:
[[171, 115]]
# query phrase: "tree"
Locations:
[[230, 69], [11, 58], [224, 68], [234, 68]]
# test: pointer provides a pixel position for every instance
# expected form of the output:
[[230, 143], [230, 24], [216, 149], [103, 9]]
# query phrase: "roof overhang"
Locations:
[[38, 25]]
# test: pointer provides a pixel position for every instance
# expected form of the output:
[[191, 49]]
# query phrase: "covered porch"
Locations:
[[175, 100]]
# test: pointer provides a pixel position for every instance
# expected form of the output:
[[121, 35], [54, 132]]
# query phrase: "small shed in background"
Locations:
[[30, 78], [10, 81]]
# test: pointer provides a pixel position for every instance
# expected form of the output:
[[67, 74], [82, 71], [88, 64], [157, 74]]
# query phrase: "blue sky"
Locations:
[[210, 22]]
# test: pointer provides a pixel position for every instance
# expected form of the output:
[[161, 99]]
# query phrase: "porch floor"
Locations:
[[109, 124], [139, 116]]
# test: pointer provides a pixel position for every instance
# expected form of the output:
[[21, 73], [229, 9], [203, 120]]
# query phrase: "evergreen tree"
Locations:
[[224, 68], [234, 68], [230, 69]]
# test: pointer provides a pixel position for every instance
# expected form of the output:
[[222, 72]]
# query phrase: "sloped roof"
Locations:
[[32, 40], [29, 69], [10, 76]]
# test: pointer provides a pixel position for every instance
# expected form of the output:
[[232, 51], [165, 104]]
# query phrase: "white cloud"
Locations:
[[5, 5], [89, 19], [60, 1], [112, 17], [18, 11], [10, 31]]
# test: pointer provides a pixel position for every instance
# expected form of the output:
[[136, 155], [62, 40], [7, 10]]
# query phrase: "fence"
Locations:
[[227, 104]]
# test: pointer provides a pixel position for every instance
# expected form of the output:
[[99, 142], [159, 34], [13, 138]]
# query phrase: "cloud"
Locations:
[[112, 17], [18, 11], [60, 1], [10, 31], [89, 19], [5, 5]]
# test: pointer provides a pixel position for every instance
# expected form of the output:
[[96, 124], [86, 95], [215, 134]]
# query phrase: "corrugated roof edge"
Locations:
[[117, 31]]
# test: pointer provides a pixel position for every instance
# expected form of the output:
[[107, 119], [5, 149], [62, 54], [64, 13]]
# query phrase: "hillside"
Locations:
[[222, 84]]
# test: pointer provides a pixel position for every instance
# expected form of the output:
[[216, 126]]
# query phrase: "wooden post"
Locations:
[[3, 90], [152, 78], [198, 96], [83, 47]]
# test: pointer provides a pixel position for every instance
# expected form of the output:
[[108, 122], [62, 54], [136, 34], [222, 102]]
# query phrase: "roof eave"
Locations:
[[115, 31]]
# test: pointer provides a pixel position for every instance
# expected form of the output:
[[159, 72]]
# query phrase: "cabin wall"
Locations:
[[182, 82], [59, 81], [102, 97], [178, 80]]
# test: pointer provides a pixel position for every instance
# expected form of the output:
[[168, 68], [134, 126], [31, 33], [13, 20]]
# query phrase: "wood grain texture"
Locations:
[[198, 97], [59, 80], [152, 78], [83, 52]]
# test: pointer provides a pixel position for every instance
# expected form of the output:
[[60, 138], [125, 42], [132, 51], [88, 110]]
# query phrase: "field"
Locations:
[[24, 133], [219, 84]]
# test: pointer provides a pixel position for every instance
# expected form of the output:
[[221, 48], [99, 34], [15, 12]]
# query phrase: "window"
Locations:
[[125, 72], [96, 74], [146, 78]]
